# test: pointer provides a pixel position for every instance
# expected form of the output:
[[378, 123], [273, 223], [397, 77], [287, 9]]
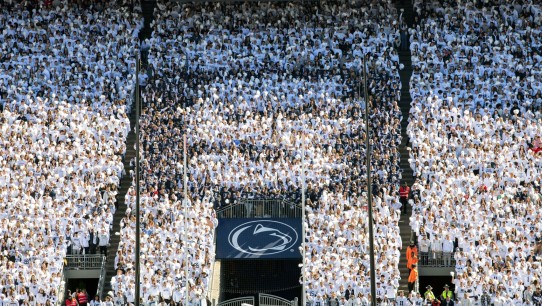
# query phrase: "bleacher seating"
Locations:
[[475, 140], [65, 92], [253, 87]]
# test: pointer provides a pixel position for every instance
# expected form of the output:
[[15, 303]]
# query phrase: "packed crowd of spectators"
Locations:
[[475, 133], [256, 90], [64, 85]]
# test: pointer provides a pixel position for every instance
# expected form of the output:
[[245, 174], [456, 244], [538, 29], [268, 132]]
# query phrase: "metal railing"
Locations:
[[238, 301], [236, 1], [261, 208], [61, 290], [436, 259], [273, 300], [211, 288], [101, 281], [84, 262]]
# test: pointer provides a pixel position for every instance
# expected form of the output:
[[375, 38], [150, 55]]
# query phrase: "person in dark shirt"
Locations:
[[537, 296]]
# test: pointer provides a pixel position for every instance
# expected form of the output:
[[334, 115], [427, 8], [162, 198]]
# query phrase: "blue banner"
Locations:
[[258, 238]]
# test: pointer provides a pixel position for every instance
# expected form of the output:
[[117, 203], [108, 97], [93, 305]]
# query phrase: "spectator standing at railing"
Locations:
[[103, 242], [76, 244], [404, 193], [85, 241], [436, 247], [93, 245], [447, 250], [424, 248]]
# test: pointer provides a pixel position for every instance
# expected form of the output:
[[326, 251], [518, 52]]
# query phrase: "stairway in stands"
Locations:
[[125, 183], [404, 104], [147, 7]]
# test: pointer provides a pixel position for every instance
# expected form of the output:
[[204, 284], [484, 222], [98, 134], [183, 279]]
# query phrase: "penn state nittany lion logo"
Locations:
[[262, 237]]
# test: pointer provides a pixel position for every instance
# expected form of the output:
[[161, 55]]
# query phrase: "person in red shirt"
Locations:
[[404, 193], [536, 145], [82, 297], [71, 300]]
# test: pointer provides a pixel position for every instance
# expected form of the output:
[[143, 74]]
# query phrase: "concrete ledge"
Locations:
[[94, 273], [434, 271]]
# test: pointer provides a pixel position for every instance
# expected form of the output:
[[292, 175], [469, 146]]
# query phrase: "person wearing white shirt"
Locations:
[[129, 294], [402, 300], [423, 242], [417, 300], [76, 243], [96, 301], [466, 300], [436, 248], [166, 291], [103, 242], [41, 298], [447, 250], [108, 301], [179, 294], [118, 300], [202, 124], [84, 240], [117, 279]]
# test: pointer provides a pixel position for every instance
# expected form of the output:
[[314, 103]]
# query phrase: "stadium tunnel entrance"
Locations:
[[241, 278], [436, 282], [89, 284]]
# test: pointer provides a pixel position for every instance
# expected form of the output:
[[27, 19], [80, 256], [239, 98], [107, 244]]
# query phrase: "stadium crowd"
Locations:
[[262, 92], [253, 88], [475, 133], [64, 87]]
